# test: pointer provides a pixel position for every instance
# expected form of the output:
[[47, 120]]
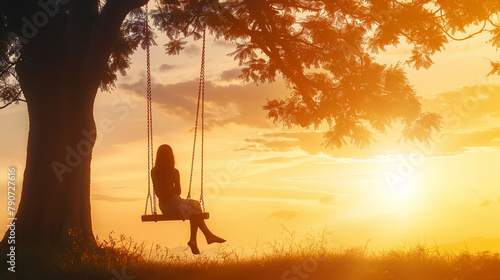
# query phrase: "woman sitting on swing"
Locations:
[[166, 184]]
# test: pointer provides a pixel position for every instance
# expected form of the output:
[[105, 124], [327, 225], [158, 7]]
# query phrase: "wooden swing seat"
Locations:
[[170, 217]]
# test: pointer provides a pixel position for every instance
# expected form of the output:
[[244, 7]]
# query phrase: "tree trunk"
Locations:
[[60, 70], [55, 198], [56, 189]]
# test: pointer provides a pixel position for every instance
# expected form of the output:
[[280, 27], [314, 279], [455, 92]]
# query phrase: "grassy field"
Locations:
[[311, 257]]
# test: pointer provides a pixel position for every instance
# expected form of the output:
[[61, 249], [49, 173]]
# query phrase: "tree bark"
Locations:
[[55, 199]]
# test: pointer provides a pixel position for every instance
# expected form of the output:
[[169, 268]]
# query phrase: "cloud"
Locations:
[[309, 142], [281, 191], [193, 50], [278, 159], [468, 107], [108, 198], [231, 75], [327, 199], [166, 67], [225, 105], [278, 141], [224, 43], [284, 214], [471, 118], [486, 203], [284, 146], [460, 142]]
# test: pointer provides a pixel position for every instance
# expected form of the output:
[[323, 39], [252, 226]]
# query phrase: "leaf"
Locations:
[[496, 68], [174, 47]]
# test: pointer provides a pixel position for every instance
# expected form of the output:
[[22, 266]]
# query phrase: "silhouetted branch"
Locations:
[[295, 73], [7, 69], [105, 33], [15, 99], [495, 25], [465, 38], [442, 27], [11, 102]]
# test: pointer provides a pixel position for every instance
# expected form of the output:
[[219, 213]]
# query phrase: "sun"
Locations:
[[399, 197], [399, 185], [401, 189]]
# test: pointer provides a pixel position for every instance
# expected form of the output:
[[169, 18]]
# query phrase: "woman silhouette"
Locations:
[[166, 184]]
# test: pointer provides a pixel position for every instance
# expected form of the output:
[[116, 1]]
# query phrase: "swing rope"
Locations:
[[151, 197], [201, 103]]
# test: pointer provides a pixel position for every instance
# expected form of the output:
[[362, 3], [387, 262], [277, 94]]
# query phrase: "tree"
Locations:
[[65, 51], [62, 53]]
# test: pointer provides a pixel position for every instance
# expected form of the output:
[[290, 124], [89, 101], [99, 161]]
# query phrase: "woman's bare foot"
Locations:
[[215, 239], [194, 247]]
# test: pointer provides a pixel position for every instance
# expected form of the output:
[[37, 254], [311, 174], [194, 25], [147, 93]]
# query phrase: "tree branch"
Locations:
[[7, 69], [465, 38], [7, 105], [82, 14], [105, 33], [492, 23], [12, 102], [16, 99], [272, 52], [443, 28]]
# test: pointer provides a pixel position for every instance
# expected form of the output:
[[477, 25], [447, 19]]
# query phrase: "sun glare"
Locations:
[[400, 197], [401, 189]]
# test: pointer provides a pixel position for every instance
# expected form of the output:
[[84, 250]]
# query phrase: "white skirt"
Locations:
[[178, 205]]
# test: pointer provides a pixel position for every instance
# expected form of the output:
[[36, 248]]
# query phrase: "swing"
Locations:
[[151, 197]]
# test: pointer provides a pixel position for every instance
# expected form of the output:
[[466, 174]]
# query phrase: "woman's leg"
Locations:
[[203, 227], [198, 222], [192, 240], [194, 231], [211, 238]]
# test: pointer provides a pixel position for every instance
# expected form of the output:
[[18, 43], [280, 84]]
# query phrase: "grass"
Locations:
[[310, 257]]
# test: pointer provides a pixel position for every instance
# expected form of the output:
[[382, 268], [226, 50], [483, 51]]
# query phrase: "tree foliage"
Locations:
[[16, 17], [325, 51]]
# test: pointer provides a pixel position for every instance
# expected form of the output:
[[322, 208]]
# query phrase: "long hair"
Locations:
[[165, 158]]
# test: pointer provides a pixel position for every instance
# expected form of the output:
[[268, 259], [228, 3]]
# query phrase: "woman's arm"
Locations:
[[177, 187]]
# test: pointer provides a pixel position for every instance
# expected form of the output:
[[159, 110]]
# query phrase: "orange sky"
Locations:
[[261, 178]]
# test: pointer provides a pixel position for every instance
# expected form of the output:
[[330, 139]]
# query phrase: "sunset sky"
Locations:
[[262, 178]]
